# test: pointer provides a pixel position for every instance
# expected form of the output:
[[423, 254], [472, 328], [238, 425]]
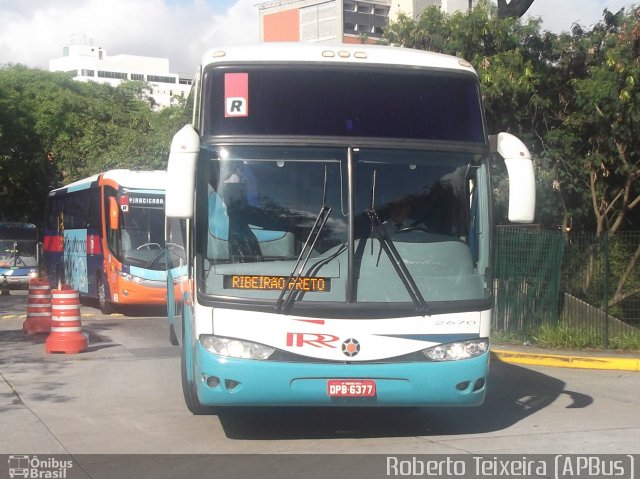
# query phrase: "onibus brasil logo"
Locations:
[[32, 467]]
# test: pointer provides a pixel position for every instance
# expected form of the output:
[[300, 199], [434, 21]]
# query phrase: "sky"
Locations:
[[34, 31]]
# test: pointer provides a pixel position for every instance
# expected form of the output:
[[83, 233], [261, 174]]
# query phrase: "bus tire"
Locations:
[[188, 388], [103, 303]]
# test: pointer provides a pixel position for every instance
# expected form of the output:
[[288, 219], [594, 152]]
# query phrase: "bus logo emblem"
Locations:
[[299, 340], [351, 347]]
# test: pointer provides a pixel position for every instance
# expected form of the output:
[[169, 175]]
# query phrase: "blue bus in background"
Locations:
[[19, 254]]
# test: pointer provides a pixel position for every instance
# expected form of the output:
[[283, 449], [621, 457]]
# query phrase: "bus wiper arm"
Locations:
[[282, 304], [155, 258], [396, 260]]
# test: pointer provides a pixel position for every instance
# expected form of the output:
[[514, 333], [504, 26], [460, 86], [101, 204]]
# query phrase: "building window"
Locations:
[[106, 74], [161, 79], [349, 7], [137, 76], [87, 73]]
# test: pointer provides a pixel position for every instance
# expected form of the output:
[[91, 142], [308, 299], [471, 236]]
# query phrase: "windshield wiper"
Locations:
[[282, 304], [396, 260], [154, 259]]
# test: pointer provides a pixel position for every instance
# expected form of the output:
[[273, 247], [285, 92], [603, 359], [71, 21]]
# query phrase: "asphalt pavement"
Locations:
[[123, 394]]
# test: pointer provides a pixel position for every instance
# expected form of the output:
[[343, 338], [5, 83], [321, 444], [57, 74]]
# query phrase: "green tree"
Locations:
[[573, 99], [600, 116], [54, 130], [28, 128], [514, 63]]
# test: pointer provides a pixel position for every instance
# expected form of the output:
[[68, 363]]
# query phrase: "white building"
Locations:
[[414, 8], [91, 63]]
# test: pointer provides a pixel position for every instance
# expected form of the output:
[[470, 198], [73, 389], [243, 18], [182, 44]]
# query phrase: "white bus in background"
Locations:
[[334, 204], [19, 254]]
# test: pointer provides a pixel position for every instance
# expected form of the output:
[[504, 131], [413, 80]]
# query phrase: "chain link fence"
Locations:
[[601, 285], [527, 278], [586, 284]]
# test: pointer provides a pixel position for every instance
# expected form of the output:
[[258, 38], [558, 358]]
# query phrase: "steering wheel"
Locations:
[[149, 246], [415, 227]]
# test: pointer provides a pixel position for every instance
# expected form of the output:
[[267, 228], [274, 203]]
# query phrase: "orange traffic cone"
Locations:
[[66, 333], [38, 307]]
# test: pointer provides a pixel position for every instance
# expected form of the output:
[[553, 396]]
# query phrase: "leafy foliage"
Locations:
[[572, 98], [54, 130]]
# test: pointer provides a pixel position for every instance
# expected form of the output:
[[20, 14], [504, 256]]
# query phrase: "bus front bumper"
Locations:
[[16, 281], [141, 292], [222, 381]]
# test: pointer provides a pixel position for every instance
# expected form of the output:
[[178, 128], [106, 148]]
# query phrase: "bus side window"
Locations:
[[218, 236], [176, 243]]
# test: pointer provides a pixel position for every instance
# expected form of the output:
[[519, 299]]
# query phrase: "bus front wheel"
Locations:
[[188, 388], [103, 302]]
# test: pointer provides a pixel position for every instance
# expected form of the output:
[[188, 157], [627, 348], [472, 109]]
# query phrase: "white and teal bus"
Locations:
[[334, 204]]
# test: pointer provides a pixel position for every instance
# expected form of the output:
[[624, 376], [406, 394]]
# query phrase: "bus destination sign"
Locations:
[[264, 282]]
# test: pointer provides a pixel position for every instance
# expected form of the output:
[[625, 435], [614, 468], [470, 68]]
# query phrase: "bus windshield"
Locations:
[[18, 253], [142, 232], [262, 203]]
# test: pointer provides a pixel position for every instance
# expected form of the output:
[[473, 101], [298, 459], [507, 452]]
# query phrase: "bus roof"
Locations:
[[151, 180], [274, 52]]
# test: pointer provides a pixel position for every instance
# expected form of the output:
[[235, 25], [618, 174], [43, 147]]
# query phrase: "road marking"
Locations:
[[580, 362]]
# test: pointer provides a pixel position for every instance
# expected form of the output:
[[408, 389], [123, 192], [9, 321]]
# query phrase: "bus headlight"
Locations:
[[457, 351], [235, 348], [131, 278]]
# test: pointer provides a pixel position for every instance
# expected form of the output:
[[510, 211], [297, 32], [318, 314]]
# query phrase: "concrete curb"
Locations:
[[564, 361]]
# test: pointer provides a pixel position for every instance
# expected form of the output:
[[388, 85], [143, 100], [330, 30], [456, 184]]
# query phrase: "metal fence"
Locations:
[[527, 278], [586, 283], [601, 285]]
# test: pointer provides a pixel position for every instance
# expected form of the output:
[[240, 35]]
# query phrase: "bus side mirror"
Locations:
[[522, 182], [181, 172], [114, 214]]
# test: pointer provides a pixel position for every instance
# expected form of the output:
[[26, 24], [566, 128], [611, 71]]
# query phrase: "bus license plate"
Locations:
[[351, 388]]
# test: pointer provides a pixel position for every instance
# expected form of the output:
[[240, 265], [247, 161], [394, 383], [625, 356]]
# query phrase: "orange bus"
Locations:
[[104, 235]]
